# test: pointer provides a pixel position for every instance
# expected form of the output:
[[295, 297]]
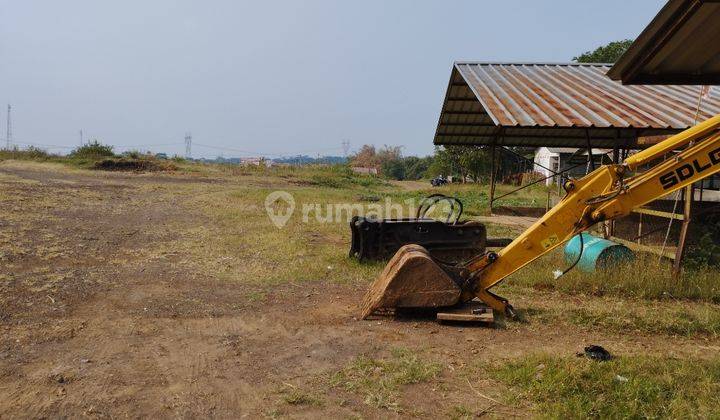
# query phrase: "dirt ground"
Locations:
[[104, 313]]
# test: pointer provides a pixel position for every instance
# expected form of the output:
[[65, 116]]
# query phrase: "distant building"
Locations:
[[364, 170], [257, 161], [555, 159]]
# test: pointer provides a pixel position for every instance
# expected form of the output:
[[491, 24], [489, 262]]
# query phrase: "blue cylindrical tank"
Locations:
[[598, 253]]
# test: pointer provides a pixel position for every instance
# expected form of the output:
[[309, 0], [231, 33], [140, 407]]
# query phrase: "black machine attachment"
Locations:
[[378, 239]]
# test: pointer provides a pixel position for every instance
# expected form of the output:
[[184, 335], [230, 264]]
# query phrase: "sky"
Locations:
[[272, 78]]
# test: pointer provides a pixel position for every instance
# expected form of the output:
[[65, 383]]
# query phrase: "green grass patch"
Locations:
[[475, 197], [378, 381], [626, 387], [256, 296], [614, 314], [297, 396]]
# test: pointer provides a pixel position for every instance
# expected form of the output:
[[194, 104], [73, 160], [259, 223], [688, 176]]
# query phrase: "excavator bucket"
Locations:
[[411, 280]]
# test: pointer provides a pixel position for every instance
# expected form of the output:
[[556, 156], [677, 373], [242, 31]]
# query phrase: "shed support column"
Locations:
[[616, 148], [591, 161], [689, 195], [610, 225], [492, 176]]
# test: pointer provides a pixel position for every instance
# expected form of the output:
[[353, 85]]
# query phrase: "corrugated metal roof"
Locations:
[[680, 45], [575, 95], [560, 104]]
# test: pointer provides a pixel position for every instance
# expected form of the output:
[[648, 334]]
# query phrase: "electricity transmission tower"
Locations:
[[8, 134], [346, 147], [188, 145]]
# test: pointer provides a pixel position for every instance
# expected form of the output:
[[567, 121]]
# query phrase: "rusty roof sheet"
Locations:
[[680, 45], [580, 95], [559, 104]]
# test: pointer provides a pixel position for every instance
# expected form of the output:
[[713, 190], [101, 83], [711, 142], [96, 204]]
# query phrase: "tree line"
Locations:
[[464, 163]]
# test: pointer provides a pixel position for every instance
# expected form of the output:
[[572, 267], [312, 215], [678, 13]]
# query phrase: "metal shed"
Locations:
[[560, 104], [679, 46]]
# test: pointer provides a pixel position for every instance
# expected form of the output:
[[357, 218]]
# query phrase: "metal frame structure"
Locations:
[[679, 46], [568, 105]]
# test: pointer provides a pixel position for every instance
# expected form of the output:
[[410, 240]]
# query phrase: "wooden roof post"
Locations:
[[492, 176], [689, 196], [591, 161]]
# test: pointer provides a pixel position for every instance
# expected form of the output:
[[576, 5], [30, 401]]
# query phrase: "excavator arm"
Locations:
[[413, 279], [603, 195]]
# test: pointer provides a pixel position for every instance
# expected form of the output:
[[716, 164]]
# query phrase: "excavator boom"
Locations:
[[609, 192]]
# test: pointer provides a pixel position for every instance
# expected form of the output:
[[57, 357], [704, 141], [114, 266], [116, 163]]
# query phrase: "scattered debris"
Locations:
[[134, 165], [596, 353]]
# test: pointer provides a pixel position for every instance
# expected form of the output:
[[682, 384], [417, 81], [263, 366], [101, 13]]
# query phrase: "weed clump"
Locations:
[[296, 396], [93, 150]]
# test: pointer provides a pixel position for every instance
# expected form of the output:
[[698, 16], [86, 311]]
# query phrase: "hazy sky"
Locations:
[[270, 77]]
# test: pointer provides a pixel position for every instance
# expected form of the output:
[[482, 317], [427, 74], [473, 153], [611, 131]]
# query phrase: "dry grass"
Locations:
[[614, 314], [644, 278], [241, 245], [378, 381], [235, 241]]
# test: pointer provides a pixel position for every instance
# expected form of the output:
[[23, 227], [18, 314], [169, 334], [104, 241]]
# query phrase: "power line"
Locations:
[[188, 147], [230, 149], [147, 145], [30, 143], [25, 143]]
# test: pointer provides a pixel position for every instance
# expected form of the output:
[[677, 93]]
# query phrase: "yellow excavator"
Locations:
[[413, 279]]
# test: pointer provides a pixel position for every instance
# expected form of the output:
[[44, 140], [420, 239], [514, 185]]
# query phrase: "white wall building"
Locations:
[[555, 159]]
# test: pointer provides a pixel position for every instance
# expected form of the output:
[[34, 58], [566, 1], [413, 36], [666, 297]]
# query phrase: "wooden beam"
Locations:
[[682, 241], [492, 177], [659, 213]]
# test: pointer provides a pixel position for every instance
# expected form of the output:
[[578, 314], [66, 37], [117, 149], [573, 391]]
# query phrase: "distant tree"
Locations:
[[391, 163], [609, 53], [394, 169], [309, 160], [416, 167], [366, 157], [385, 158], [389, 153], [465, 161], [444, 162]]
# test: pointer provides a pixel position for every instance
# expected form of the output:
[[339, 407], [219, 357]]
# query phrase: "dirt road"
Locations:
[[104, 313]]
